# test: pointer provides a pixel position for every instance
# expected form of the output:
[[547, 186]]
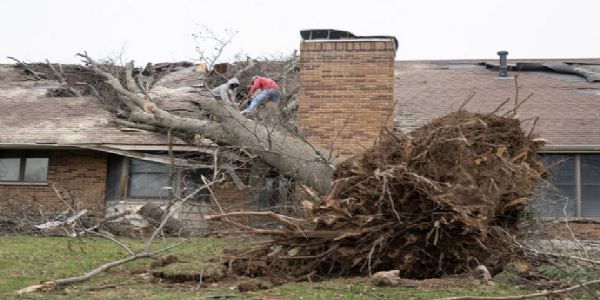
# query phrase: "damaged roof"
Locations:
[[566, 95], [31, 117]]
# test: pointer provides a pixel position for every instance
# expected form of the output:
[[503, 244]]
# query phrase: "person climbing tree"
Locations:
[[270, 90]]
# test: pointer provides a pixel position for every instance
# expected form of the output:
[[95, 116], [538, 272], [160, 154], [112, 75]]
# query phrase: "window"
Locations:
[[574, 185], [27, 167], [590, 185], [140, 180], [129, 178], [148, 180]]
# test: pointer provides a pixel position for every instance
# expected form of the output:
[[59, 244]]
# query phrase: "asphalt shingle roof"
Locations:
[[28, 116], [568, 106]]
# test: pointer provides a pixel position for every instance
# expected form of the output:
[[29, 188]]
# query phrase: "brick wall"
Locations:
[[346, 92], [230, 197], [81, 172]]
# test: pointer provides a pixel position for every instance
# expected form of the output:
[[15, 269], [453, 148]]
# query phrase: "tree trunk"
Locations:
[[154, 214]]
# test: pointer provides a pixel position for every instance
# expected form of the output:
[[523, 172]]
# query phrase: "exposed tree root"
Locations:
[[441, 200]]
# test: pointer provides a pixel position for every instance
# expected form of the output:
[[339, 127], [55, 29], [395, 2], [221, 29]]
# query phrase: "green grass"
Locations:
[[357, 288], [26, 260]]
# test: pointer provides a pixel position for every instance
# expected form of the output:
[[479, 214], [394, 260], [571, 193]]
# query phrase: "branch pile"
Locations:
[[441, 200]]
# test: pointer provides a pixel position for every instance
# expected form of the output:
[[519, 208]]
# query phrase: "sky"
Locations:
[[159, 31]]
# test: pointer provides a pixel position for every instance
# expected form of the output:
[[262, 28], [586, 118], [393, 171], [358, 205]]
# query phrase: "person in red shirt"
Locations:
[[270, 90]]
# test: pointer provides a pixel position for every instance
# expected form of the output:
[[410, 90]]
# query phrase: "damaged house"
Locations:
[[54, 149], [57, 152]]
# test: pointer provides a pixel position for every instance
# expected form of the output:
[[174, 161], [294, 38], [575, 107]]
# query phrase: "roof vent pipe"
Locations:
[[503, 63]]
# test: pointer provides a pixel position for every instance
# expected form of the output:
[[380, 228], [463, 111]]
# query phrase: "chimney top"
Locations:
[[503, 63], [333, 34]]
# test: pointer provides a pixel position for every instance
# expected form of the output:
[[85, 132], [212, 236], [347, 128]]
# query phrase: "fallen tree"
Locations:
[[441, 200]]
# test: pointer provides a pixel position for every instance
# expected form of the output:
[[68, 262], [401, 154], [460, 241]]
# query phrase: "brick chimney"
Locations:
[[346, 91]]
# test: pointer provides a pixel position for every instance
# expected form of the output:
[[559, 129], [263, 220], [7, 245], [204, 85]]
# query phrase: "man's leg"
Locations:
[[274, 95], [258, 99]]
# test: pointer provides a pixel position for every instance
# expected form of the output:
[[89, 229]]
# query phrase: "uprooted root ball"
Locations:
[[440, 200]]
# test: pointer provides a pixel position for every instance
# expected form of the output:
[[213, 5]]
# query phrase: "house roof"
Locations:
[[568, 106], [31, 118]]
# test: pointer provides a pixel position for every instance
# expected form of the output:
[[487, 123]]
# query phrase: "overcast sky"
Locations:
[[158, 31]]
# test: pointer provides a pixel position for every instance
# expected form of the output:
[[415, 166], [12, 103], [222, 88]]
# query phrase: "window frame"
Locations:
[[23, 156], [578, 182]]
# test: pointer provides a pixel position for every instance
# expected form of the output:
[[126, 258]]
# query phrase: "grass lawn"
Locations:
[[26, 260]]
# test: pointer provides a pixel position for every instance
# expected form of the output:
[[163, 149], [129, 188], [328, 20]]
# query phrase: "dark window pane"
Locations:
[[557, 195], [9, 169], [148, 186], [590, 185], [590, 200], [590, 169], [36, 169], [561, 167], [140, 166], [116, 177], [556, 200]]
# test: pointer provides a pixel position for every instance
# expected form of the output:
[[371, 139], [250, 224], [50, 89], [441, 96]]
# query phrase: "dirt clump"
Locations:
[[440, 200], [189, 271], [250, 285]]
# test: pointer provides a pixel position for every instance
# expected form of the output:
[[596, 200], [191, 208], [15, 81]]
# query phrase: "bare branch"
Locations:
[[211, 45], [114, 241], [62, 79], [169, 213], [87, 276], [36, 75], [293, 222]]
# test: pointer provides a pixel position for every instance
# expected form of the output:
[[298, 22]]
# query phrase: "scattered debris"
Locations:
[[482, 274], [387, 278], [45, 286], [250, 285], [154, 214], [190, 271], [391, 278], [164, 261], [65, 227]]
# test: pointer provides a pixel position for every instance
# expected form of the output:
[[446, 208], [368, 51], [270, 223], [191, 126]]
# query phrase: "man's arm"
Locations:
[[255, 86], [223, 91]]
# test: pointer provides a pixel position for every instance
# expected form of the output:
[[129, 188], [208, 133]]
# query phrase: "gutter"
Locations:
[[132, 154], [203, 148], [150, 157], [570, 149]]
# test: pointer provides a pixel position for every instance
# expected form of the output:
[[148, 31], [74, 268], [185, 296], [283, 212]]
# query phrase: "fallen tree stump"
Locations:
[[440, 200], [154, 214]]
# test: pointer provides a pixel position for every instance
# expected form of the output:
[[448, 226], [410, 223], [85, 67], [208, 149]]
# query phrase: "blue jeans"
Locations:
[[273, 95]]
